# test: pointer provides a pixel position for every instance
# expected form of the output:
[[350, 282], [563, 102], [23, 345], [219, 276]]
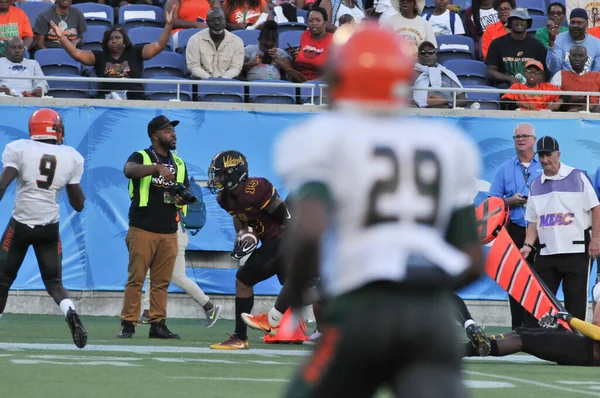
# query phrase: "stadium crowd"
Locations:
[[505, 44]]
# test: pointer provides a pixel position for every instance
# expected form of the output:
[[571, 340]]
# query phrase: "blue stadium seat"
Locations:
[[33, 9], [221, 93], [538, 22], [535, 7], [68, 89], [183, 37], [454, 47], [145, 35], [138, 15], [429, 6], [56, 61], [302, 15], [248, 36], [489, 101], [318, 98], [97, 14], [291, 26], [272, 95], [167, 91], [291, 37], [469, 72], [464, 4], [166, 63], [92, 38]]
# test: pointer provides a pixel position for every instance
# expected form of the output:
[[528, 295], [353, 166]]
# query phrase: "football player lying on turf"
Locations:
[[552, 342]]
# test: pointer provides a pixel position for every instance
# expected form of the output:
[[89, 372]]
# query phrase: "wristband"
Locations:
[[529, 245]]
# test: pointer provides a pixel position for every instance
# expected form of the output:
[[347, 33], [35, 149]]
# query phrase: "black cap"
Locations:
[[547, 144], [426, 43], [159, 123]]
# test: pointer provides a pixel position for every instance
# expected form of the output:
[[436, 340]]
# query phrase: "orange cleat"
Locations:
[[260, 322]]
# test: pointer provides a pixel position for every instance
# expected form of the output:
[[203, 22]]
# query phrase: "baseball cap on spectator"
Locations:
[[159, 123], [520, 13], [579, 13], [547, 144], [533, 62], [426, 43]]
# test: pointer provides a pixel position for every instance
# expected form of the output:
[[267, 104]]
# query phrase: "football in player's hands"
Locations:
[[246, 241]]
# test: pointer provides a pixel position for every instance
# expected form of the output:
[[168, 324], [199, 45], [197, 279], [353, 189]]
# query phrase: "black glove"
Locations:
[[548, 321], [242, 249]]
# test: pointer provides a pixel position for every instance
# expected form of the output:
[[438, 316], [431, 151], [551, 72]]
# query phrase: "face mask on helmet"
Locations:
[[226, 171]]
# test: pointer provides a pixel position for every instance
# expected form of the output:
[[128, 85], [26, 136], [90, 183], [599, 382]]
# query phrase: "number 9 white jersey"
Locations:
[[394, 185], [44, 170]]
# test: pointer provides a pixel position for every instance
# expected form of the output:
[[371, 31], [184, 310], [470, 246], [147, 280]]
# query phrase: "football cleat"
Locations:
[[314, 338], [212, 316], [479, 340], [232, 343], [77, 330], [261, 322]]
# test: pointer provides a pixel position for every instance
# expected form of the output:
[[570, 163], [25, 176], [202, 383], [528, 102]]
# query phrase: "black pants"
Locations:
[[48, 250], [517, 312], [416, 354], [562, 347], [263, 263], [573, 270]]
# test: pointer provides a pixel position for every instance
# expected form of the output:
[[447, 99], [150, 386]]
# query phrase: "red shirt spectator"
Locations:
[[242, 13], [314, 46], [534, 73], [14, 22], [497, 29]]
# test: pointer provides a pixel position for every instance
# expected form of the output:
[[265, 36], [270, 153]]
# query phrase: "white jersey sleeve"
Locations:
[[77, 172], [394, 185], [44, 170], [11, 157]]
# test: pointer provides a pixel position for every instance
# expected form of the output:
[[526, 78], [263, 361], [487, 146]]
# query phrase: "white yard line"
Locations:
[[532, 382], [230, 379]]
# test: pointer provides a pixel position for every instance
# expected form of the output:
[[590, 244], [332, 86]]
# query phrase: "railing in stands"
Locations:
[[178, 83], [312, 86]]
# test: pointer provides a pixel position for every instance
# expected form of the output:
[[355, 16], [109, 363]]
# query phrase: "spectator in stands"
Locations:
[[13, 22], [311, 58], [444, 21], [16, 65], [383, 10], [118, 58], [577, 79], [508, 54], [243, 13], [336, 8], [558, 46], [535, 80], [70, 19], [411, 27], [214, 52], [435, 75], [477, 18], [192, 14], [346, 19], [265, 60], [556, 17], [498, 29]]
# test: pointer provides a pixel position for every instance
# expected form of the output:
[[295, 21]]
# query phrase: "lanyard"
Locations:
[[158, 159], [526, 174]]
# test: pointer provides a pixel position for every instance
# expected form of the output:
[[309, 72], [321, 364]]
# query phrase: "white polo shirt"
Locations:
[[561, 205]]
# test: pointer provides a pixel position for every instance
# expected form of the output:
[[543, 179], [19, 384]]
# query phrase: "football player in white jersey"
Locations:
[[384, 209], [42, 167]]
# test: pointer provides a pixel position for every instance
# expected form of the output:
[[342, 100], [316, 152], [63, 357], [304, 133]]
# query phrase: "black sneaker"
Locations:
[[77, 330], [479, 340], [127, 330], [159, 330]]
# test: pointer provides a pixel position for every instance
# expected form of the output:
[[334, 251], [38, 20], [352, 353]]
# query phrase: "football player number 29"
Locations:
[[47, 171], [424, 180]]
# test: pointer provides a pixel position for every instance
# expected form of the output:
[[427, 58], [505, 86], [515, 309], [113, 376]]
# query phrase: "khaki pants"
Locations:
[[157, 252]]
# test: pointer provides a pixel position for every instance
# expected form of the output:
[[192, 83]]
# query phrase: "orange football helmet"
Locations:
[[370, 65], [46, 124]]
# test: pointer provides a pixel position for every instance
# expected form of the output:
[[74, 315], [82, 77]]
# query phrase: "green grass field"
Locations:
[[38, 359]]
